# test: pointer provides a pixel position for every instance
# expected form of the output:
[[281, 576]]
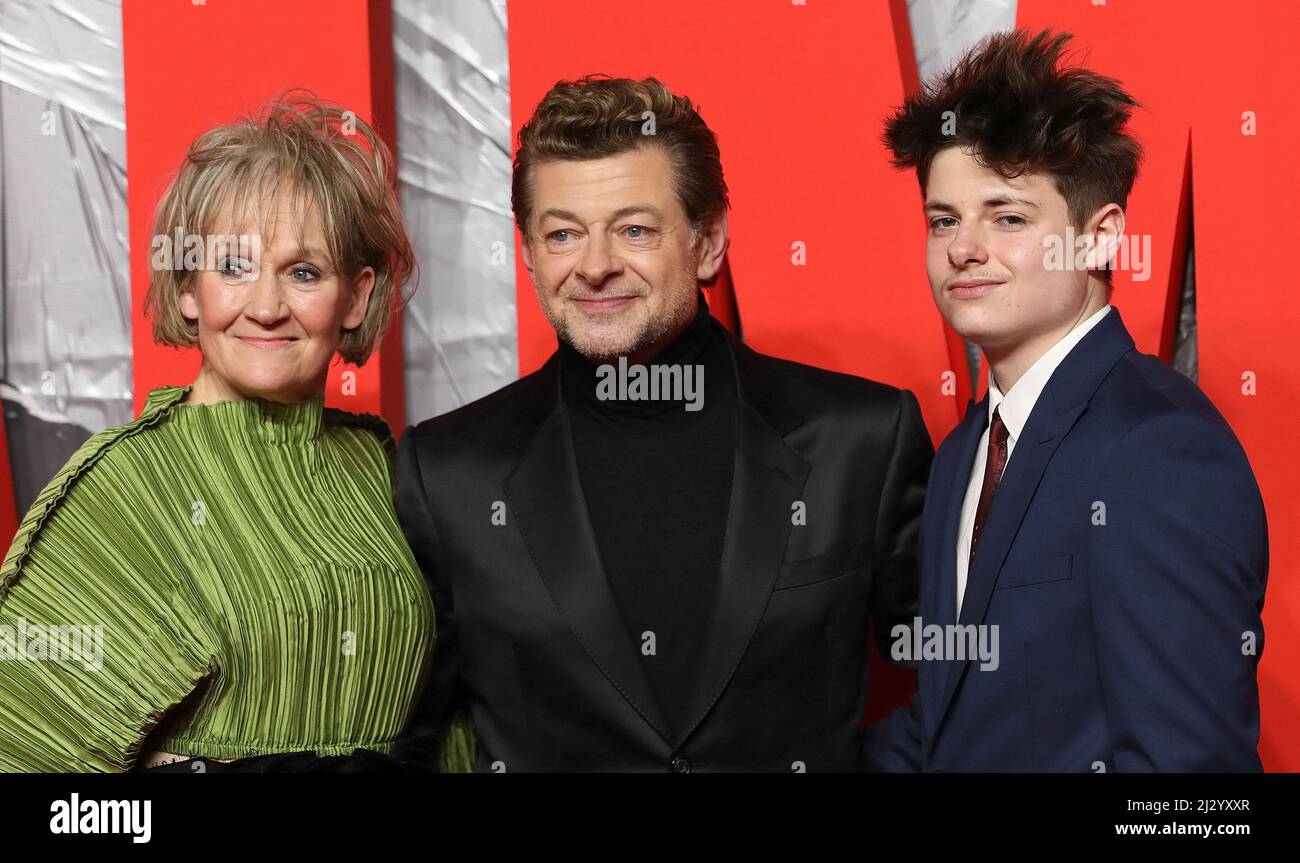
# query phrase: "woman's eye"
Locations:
[[304, 273], [233, 267]]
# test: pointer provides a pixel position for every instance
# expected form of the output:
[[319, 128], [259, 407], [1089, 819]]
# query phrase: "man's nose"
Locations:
[[968, 245], [598, 261]]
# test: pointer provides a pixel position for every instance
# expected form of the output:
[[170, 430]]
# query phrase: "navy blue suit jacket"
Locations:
[[1123, 561]]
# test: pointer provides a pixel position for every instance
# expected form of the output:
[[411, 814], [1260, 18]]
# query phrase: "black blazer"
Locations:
[[531, 640]]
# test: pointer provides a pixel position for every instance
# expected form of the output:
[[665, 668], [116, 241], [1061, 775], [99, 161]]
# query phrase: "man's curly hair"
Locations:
[[1017, 110], [597, 116]]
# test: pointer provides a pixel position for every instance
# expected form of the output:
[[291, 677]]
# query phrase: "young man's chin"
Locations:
[[978, 328]]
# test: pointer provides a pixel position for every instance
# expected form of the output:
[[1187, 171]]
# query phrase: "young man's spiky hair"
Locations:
[[1018, 110]]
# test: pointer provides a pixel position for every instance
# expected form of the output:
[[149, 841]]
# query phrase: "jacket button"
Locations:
[[681, 765]]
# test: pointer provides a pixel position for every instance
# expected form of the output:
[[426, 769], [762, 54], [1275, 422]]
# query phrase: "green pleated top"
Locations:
[[229, 576]]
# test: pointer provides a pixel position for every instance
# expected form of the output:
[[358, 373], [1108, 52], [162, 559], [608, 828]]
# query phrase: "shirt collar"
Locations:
[[1015, 406]]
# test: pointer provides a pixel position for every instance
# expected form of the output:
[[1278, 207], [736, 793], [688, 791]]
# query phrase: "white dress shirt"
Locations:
[[1014, 407]]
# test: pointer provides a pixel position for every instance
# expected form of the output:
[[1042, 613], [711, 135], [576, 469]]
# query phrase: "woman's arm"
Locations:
[[93, 647]]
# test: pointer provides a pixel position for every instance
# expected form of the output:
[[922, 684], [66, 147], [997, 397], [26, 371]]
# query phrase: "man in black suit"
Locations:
[[660, 551]]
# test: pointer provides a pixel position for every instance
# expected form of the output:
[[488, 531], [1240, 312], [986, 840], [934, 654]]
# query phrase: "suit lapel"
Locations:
[[958, 475], [544, 493], [1062, 402], [544, 496], [767, 479], [950, 487]]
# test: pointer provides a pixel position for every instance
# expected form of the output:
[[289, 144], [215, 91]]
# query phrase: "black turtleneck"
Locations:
[[657, 481]]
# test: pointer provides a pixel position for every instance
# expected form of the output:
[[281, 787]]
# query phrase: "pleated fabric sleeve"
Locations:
[[94, 645]]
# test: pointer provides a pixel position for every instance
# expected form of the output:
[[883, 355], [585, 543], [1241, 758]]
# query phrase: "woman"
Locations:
[[233, 552]]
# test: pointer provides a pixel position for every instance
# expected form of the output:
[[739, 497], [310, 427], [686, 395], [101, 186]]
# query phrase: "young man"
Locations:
[[674, 582], [1093, 518]]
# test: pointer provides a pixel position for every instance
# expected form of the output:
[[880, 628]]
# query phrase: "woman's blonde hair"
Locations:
[[323, 157]]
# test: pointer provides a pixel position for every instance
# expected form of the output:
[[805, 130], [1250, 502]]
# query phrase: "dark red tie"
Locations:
[[993, 467]]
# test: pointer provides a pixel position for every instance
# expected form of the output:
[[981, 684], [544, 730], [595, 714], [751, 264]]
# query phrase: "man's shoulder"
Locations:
[[1161, 444], [492, 416], [100, 496], [1150, 428], [1143, 392], [812, 390]]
